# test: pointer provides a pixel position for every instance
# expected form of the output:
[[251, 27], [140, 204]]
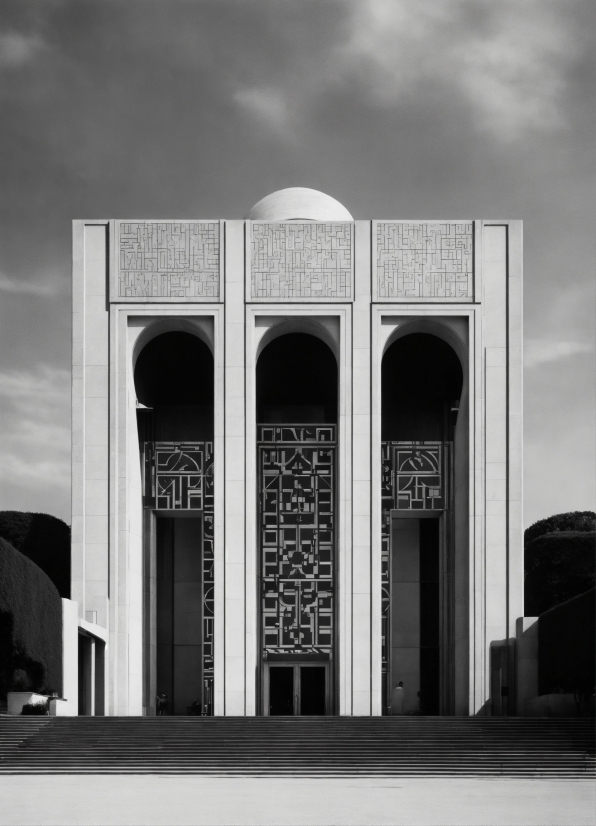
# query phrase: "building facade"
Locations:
[[297, 460]]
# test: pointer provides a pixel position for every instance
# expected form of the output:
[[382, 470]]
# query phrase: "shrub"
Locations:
[[572, 521], [35, 708], [30, 625], [42, 538], [566, 647], [558, 566]]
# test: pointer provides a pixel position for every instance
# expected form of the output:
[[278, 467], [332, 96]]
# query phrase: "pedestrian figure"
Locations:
[[397, 699], [162, 704]]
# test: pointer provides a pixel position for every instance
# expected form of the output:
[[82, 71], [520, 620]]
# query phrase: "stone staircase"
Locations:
[[315, 746]]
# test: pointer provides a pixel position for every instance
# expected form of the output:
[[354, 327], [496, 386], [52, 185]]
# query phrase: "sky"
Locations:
[[403, 109]]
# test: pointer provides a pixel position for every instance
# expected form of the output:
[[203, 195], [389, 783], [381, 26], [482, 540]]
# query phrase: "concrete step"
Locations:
[[285, 746]]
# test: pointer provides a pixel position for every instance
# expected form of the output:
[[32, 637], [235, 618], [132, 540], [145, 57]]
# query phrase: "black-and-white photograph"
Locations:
[[297, 412]]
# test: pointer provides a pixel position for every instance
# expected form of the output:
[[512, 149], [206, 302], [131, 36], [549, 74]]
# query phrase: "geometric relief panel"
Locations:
[[168, 260], [291, 261], [424, 261], [297, 538]]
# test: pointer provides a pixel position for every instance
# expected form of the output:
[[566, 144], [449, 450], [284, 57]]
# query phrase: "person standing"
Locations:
[[398, 696]]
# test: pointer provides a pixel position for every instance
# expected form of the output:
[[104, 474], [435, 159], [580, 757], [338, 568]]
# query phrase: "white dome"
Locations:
[[299, 204]]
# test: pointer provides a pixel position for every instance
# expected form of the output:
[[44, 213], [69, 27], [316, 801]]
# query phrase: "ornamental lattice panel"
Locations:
[[296, 466], [415, 477], [168, 261], [295, 261], [424, 261], [178, 476]]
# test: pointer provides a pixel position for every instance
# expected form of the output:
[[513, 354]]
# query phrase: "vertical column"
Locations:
[[496, 433], [90, 421], [96, 421], [70, 656], [77, 574], [87, 676], [515, 422], [100, 678], [235, 475], [361, 491]]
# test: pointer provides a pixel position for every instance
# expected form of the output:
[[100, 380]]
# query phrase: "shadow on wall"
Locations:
[[30, 626], [566, 643]]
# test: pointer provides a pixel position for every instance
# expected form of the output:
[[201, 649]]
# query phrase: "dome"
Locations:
[[299, 204]]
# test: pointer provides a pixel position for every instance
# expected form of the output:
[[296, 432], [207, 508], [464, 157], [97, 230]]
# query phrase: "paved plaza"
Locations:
[[174, 800]]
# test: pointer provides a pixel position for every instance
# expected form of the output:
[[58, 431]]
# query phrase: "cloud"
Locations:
[[542, 351], [267, 107], [18, 50], [35, 428], [51, 286], [505, 63], [506, 60]]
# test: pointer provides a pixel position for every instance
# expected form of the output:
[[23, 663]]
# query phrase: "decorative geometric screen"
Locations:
[[297, 537], [178, 476], [424, 261], [177, 261], [415, 478], [293, 261]]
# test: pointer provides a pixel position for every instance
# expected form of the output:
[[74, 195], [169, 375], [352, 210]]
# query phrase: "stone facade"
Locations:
[[358, 286]]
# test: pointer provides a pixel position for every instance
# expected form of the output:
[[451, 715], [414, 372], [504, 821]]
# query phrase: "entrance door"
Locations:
[[312, 696], [294, 690]]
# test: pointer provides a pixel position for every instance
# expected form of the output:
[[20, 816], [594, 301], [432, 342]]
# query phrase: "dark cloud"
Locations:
[[398, 109]]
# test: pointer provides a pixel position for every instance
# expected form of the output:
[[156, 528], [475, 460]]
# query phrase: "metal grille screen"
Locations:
[[297, 537]]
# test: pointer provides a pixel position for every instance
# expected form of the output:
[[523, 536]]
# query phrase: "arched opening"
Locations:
[[297, 381], [174, 377], [421, 385], [297, 396], [174, 385]]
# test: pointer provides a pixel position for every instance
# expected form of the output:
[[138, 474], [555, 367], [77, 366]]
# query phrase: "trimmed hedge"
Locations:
[[44, 539], [566, 643], [559, 566], [30, 626], [572, 521]]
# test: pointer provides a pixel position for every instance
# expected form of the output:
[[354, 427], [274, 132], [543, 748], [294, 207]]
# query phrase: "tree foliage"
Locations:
[[572, 521], [30, 626], [558, 566], [42, 538]]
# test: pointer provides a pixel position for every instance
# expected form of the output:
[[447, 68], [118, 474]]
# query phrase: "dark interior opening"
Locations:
[[297, 381], [429, 617], [179, 618], [312, 690], [281, 691], [421, 384], [174, 377]]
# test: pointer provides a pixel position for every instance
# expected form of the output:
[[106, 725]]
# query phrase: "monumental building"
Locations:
[[297, 462]]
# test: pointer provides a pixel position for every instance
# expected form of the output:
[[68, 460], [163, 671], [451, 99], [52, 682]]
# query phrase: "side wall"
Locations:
[[90, 401]]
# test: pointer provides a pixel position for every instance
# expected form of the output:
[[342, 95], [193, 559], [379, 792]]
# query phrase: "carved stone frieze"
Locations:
[[175, 261], [291, 261], [424, 261]]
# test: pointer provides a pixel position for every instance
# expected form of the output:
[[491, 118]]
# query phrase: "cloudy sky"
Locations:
[[398, 108]]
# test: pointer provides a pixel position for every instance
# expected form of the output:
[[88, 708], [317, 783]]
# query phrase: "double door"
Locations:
[[297, 689]]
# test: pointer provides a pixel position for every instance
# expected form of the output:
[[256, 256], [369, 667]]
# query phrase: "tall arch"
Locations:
[[297, 414], [174, 385], [421, 388]]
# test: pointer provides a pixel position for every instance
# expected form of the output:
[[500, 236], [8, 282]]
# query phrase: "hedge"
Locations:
[[572, 521], [30, 626], [558, 566], [566, 643], [44, 539]]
